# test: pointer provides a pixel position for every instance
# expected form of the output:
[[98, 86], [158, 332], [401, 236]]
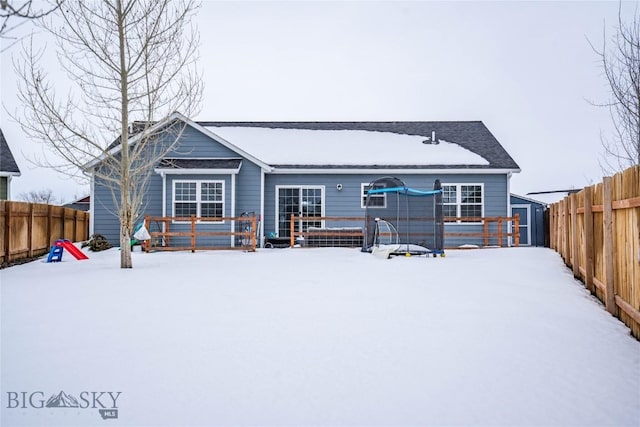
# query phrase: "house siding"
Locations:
[[193, 144], [4, 188], [339, 203], [347, 202]]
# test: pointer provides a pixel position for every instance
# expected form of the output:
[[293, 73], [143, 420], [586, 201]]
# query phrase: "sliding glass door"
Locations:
[[304, 201]]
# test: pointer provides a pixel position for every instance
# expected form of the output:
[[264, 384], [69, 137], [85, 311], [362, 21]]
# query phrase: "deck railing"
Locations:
[[352, 236]]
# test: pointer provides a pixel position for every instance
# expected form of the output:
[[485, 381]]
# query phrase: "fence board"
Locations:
[[603, 226], [29, 229]]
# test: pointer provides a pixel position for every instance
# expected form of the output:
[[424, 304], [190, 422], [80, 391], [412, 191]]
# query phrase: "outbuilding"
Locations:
[[531, 213]]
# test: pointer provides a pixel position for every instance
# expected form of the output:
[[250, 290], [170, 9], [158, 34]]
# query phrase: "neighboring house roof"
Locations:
[[464, 145], [80, 204], [8, 165]]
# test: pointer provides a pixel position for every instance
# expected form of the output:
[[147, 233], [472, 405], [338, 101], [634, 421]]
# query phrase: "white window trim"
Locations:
[[198, 200], [459, 201], [363, 205]]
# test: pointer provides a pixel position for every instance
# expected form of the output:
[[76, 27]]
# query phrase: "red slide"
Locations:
[[73, 250]]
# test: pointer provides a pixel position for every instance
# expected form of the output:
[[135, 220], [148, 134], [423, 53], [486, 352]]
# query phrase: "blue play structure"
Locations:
[[55, 254]]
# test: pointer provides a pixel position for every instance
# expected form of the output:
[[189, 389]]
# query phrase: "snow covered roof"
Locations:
[[344, 147], [366, 144], [8, 164]]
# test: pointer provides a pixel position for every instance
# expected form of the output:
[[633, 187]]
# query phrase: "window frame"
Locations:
[[363, 197], [198, 200], [458, 203]]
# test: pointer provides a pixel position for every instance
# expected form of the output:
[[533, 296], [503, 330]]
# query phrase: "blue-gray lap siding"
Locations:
[[344, 202], [192, 144], [347, 201]]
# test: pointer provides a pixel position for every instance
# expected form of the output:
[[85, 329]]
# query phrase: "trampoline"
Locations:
[[400, 220]]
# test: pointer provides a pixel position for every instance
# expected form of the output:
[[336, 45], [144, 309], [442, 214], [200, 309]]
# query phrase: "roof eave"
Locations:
[[187, 171], [395, 170], [134, 139]]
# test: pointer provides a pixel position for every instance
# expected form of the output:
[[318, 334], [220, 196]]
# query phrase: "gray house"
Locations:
[[8, 168], [275, 169]]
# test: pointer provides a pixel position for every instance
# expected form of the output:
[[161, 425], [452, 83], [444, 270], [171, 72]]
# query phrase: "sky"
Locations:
[[526, 69]]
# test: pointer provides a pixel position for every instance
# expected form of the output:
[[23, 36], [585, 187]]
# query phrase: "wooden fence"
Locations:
[[498, 235], [29, 229], [195, 233], [597, 233], [490, 235]]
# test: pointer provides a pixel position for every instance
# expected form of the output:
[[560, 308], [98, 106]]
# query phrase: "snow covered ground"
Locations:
[[312, 337]]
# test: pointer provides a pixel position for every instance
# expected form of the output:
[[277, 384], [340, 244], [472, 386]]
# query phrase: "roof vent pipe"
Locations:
[[433, 138]]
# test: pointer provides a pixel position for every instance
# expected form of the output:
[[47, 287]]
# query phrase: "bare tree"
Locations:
[[131, 64], [13, 13], [39, 196], [621, 67]]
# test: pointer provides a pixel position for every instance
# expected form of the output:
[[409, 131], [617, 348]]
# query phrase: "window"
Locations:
[[377, 200], [199, 198], [463, 201]]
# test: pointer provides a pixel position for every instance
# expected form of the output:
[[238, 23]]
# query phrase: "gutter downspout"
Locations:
[[509, 223], [261, 227], [233, 208], [92, 205], [164, 194], [164, 202]]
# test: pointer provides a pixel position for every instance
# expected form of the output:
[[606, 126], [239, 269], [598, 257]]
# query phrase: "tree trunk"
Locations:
[[126, 207], [125, 247]]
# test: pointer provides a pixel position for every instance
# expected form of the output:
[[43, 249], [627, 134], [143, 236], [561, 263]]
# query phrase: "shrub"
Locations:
[[97, 243]]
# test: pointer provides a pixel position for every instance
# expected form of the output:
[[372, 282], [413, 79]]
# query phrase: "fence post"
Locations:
[[49, 224], [550, 225], [610, 298], [64, 223], [193, 233], [30, 231], [516, 225], [486, 232], [7, 231], [75, 226], [253, 233], [588, 239], [553, 223], [146, 243], [575, 260], [292, 238], [566, 232]]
